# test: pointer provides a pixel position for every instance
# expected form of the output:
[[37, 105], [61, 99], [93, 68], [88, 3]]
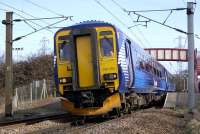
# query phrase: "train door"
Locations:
[[129, 61], [84, 61], [166, 79]]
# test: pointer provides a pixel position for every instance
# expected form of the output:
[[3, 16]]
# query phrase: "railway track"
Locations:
[[75, 121], [59, 123], [85, 125], [89, 125], [33, 119]]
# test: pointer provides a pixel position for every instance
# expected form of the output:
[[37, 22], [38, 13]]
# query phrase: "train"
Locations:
[[98, 70]]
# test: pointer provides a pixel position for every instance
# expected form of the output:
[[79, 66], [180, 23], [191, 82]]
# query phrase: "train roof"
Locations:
[[92, 23]]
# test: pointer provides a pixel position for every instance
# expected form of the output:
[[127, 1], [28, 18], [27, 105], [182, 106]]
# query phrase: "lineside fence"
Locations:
[[26, 96], [180, 100]]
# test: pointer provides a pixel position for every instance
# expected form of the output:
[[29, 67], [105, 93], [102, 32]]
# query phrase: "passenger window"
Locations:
[[148, 67], [106, 47], [142, 65], [65, 51], [154, 71]]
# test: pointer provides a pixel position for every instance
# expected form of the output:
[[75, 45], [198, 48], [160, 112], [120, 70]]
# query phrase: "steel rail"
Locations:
[[31, 119]]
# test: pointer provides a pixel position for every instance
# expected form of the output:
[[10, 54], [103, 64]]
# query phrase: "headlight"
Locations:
[[65, 80], [110, 76]]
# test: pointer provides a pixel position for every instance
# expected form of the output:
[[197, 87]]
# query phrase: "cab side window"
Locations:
[[64, 48], [106, 44], [107, 47]]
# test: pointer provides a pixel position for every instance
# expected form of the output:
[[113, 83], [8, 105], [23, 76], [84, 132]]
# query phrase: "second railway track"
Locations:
[[32, 119]]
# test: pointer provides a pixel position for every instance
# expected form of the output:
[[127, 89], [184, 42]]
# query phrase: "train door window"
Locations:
[[129, 62], [128, 53], [65, 50], [160, 74], [127, 50], [106, 46], [148, 68], [154, 71]]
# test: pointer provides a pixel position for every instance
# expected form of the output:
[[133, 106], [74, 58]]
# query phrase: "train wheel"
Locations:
[[116, 112], [119, 113], [127, 108], [78, 122]]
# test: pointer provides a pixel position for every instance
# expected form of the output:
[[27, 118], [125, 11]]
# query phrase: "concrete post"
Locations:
[[9, 66], [191, 95]]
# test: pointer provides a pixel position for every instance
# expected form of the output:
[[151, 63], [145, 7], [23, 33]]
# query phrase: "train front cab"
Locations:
[[87, 70]]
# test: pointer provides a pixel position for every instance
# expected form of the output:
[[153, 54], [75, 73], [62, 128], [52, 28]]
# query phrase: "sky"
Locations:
[[152, 36]]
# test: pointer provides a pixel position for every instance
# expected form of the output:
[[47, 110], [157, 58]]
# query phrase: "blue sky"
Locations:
[[153, 36]]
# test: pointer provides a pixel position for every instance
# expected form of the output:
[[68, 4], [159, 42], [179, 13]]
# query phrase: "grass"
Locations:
[[193, 127]]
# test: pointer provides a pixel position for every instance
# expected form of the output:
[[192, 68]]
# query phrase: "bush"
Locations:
[[34, 68]]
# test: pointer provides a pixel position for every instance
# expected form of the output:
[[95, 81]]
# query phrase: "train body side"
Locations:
[[138, 71]]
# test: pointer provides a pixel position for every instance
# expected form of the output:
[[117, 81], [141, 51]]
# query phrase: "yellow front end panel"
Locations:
[[84, 59], [108, 64], [64, 67], [108, 104]]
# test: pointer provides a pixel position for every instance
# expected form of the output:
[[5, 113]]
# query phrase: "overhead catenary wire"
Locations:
[[56, 27], [135, 12], [30, 25], [47, 9], [31, 21], [7, 5], [161, 23], [167, 17], [118, 5], [18, 38], [3, 10], [119, 20], [140, 32], [25, 20], [158, 10], [46, 18], [176, 29], [44, 8]]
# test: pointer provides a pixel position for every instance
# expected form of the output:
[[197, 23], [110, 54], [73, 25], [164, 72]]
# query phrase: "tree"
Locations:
[[34, 68]]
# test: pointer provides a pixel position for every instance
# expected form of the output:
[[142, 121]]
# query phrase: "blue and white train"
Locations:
[[99, 69]]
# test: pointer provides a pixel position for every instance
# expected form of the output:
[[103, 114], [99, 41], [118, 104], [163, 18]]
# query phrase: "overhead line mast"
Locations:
[[9, 65], [190, 34]]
